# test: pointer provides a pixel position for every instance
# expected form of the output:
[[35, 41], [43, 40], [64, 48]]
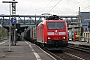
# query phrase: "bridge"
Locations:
[[31, 20]]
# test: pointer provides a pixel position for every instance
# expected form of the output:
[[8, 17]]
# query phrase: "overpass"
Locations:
[[31, 19]]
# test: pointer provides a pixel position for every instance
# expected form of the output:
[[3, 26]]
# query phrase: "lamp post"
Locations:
[[13, 10]]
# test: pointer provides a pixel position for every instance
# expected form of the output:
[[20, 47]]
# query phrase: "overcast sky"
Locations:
[[58, 7]]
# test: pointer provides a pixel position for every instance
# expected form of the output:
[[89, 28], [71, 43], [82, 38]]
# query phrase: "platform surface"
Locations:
[[79, 43], [22, 51]]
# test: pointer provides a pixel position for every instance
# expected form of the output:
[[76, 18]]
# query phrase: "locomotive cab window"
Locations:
[[55, 25]]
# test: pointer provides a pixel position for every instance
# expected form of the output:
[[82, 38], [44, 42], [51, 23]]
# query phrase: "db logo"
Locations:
[[56, 33]]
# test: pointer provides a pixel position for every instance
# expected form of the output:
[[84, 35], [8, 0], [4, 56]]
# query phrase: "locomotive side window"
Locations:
[[55, 25]]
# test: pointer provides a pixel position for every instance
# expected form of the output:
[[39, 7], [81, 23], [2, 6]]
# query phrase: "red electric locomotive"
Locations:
[[53, 34]]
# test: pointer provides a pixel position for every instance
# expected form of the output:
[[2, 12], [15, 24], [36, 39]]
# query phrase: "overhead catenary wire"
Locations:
[[55, 5], [71, 7], [85, 8], [47, 5], [80, 4], [50, 3]]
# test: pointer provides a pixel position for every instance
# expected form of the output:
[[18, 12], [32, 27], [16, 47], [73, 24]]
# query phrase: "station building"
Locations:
[[85, 17]]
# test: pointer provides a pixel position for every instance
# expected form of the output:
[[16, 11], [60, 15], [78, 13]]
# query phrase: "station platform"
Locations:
[[85, 44], [23, 51]]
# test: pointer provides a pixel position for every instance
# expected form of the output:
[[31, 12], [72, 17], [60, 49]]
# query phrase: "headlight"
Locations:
[[49, 38], [63, 37]]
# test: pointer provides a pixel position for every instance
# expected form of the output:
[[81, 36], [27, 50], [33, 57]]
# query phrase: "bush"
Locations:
[[1, 33]]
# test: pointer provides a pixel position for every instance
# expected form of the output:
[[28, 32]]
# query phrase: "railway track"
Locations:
[[59, 55], [79, 48], [66, 56], [71, 54], [79, 54]]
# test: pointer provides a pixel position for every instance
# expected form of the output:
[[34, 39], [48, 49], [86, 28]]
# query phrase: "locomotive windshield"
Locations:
[[55, 25]]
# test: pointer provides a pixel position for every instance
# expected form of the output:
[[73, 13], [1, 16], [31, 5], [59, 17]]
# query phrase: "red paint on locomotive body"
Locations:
[[52, 32]]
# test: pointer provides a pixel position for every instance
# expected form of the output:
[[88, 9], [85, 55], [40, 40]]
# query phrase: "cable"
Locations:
[[47, 5], [80, 3], [55, 5], [86, 8]]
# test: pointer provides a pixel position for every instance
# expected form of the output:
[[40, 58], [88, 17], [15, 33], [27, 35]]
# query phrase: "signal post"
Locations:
[[13, 4]]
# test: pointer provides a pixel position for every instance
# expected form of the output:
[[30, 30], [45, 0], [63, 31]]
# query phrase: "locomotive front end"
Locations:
[[57, 35]]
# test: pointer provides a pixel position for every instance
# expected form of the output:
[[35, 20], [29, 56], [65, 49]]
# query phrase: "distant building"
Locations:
[[85, 16]]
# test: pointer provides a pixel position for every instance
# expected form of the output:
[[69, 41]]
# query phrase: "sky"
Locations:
[[38, 7]]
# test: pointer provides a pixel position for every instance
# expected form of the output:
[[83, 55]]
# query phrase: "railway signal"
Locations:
[[13, 12]]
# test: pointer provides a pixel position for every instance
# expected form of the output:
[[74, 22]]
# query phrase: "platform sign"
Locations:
[[13, 20]]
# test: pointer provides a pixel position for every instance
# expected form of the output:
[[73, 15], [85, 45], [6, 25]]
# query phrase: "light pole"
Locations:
[[13, 9]]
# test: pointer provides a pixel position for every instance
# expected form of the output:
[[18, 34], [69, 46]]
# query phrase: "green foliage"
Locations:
[[1, 33]]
